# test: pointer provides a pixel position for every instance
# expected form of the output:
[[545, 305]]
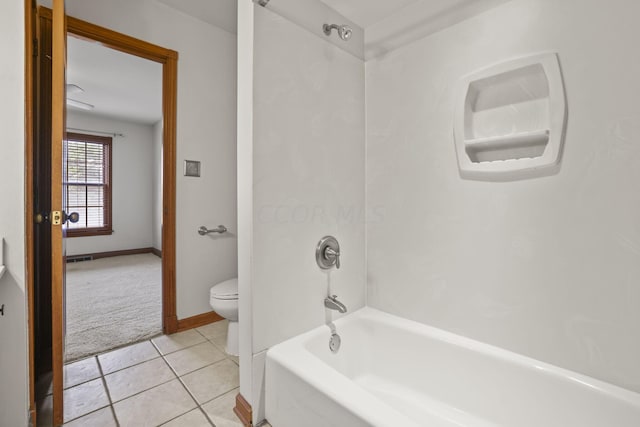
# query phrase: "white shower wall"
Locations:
[[546, 267], [308, 182], [308, 167]]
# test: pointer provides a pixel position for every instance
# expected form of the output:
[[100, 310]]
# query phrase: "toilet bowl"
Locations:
[[224, 301]]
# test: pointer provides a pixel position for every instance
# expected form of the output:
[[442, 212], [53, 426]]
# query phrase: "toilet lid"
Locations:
[[225, 290]]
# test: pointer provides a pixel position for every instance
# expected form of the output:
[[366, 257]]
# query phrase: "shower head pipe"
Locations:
[[344, 31]]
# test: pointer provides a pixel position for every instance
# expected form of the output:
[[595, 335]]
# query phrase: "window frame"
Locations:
[[107, 143]]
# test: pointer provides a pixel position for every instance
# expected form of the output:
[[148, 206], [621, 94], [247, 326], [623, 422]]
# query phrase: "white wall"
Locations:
[[132, 188], [545, 267], [156, 181], [206, 132], [245, 193], [308, 180], [13, 328]]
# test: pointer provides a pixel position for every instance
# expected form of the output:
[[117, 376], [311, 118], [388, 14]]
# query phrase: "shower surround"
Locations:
[[547, 268]]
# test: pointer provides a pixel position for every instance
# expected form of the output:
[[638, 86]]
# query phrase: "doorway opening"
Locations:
[[48, 346], [113, 180]]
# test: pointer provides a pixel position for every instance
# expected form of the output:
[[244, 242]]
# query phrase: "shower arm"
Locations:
[[328, 27], [344, 31]]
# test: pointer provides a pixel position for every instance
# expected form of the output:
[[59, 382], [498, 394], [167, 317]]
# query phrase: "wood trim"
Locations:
[[58, 93], [198, 320], [156, 252], [243, 411], [41, 193], [115, 40], [29, 135], [170, 324], [169, 113], [33, 415], [88, 232], [98, 255]]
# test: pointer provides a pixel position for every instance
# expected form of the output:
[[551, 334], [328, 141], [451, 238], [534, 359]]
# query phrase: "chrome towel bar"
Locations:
[[203, 231]]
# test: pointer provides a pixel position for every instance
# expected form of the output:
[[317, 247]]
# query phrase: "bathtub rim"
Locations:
[[295, 350]]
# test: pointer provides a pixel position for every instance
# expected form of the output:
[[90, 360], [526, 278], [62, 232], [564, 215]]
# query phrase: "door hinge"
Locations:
[[56, 217], [35, 47]]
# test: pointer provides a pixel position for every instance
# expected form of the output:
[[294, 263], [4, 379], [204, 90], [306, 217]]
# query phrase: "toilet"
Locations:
[[224, 301]]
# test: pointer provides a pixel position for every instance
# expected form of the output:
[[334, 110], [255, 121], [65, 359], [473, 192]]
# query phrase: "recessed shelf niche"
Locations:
[[510, 120]]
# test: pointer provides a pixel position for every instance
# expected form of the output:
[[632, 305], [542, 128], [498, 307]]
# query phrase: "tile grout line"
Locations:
[[140, 392], [97, 409], [179, 349], [86, 381], [104, 384], [150, 388], [136, 364], [198, 405], [134, 344], [111, 350], [199, 369], [220, 395], [144, 391], [219, 347], [186, 389], [160, 355], [189, 411]]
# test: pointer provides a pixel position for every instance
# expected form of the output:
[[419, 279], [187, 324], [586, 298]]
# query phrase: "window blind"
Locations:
[[87, 181]]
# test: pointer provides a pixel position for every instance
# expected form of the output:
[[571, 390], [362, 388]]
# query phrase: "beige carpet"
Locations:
[[112, 302]]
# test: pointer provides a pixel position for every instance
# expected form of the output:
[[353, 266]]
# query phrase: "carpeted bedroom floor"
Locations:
[[112, 302]]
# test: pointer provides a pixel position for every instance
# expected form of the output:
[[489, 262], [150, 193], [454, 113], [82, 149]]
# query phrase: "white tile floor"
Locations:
[[185, 379]]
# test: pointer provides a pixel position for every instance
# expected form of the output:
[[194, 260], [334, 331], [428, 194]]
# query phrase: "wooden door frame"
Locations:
[[130, 45], [30, 130], [58, 126]]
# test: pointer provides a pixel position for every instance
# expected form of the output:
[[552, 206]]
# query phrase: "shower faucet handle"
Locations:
[[331, 254], [328, 253]]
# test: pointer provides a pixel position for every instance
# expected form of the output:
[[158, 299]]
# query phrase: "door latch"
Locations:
[[56, 217]]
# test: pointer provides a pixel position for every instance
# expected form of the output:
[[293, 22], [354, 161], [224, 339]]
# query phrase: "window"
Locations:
[[87, 184]]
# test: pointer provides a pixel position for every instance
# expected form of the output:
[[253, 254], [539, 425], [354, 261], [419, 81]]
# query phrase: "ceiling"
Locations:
[[367, 12], [364, 13], [130, 88], [221, 13], [119, 85]]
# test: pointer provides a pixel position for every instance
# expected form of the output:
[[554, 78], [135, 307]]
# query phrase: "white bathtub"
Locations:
[[394, 372]]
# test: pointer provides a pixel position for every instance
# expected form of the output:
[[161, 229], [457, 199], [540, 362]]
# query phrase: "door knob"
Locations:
[[57, 216], [73, 217], [42, 217]]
